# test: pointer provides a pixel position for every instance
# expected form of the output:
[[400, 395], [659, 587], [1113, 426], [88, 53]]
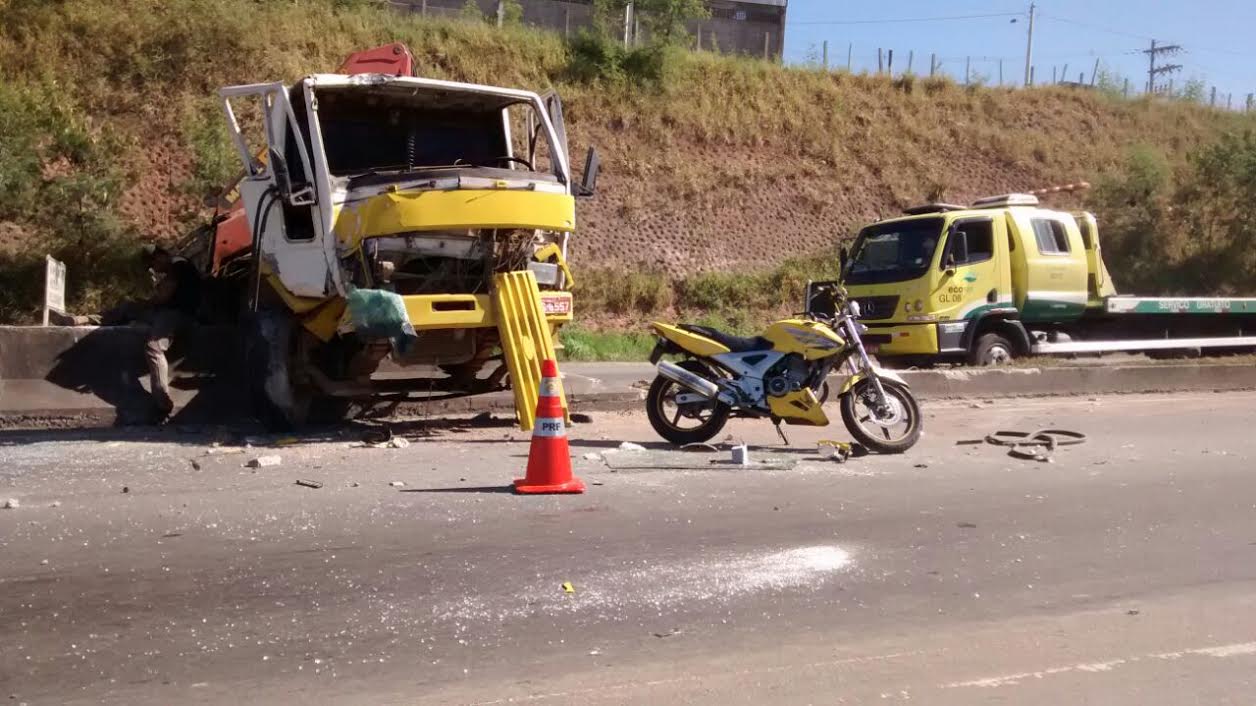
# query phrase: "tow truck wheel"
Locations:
[[991, 349]]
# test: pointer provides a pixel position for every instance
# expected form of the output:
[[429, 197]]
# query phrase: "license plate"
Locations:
[[556, 305]]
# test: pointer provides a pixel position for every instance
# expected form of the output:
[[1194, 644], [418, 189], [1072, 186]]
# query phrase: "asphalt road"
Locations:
[[1122, 573]]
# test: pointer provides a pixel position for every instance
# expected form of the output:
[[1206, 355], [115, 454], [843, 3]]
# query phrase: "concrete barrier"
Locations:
[[87, 376], [1087, 380]]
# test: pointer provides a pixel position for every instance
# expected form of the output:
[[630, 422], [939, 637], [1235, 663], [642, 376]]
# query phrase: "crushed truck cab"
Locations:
[[454, 199], [1005, 277]]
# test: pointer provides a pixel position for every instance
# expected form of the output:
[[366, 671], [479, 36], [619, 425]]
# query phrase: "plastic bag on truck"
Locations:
[[377, 313]]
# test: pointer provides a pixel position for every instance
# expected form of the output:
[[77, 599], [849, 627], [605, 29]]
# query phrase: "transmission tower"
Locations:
[[1154, 71]]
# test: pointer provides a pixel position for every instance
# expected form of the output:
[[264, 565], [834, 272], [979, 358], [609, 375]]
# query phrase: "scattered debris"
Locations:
[[11, 504], [44, 562], [581, 418], [741, 455], [669, 633], [265, 462], [397, 484], [482, 418], [196, 466], [966, 525], [595, 652], [836, 450], [629, 446], [355, 484], [56, 503], [1132, 611], [399, 442], [921, 465], [126, 489], [591, 456], [309, 483], [568, 588], [1033, 446], [221, 450]]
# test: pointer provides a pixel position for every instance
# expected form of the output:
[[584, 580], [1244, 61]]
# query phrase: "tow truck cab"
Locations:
[[934, 282]]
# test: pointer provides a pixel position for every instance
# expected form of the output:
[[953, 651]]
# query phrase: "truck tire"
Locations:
[[280, 401], [991, 349]]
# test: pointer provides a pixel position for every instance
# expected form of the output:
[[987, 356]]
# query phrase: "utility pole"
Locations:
[[1029, 48], [1153, 71], [501, 13], [850, 53], [628, 25], [826, 55]]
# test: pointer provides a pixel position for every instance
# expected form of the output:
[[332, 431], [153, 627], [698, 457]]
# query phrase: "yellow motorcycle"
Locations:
[[781, 375]]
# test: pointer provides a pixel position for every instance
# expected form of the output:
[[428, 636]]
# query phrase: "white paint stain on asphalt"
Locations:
[[1221, 651], [662, 585]]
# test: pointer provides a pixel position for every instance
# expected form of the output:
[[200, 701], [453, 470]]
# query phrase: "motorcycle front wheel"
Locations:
[[888, 431], [683, 424]]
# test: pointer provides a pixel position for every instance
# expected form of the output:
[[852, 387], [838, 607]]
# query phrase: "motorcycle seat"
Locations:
[[736, 344]]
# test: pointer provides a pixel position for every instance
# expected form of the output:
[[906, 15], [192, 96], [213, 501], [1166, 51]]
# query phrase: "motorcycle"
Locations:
[[782, 375]]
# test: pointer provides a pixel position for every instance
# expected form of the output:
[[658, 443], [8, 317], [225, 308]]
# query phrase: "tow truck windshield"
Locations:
[[895, 251]]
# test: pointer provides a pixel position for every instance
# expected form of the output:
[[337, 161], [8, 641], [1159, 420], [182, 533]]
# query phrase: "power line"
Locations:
[[1100, 28], [950, 18]]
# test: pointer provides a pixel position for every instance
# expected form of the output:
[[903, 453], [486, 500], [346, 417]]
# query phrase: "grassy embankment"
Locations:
[[726, 181]]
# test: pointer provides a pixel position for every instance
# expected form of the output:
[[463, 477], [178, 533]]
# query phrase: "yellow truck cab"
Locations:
[[1005, 277]]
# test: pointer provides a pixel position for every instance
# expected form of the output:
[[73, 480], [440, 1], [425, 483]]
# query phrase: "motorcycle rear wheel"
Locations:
[[666, 417]]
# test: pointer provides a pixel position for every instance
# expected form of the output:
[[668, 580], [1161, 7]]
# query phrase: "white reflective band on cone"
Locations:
[[549, 426], [551, 387]]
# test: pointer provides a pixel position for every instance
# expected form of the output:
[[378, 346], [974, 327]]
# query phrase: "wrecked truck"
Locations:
[[374, 195]]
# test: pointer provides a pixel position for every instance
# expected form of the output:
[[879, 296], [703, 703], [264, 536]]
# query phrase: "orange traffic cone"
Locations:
[[549, 459]]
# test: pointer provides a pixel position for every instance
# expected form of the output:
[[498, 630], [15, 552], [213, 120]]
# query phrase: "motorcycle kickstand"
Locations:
[[781, 432]]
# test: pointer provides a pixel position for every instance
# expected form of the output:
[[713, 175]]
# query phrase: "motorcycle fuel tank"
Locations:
[[810, 339]]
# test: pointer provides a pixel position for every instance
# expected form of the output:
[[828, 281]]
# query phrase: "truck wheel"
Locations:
[[282, 400], [991, 349]]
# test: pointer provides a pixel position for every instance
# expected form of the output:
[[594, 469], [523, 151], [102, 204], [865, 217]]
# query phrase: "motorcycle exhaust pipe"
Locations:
[[695, 383]]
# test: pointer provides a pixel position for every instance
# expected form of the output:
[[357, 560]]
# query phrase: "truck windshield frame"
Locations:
[[895, 251]]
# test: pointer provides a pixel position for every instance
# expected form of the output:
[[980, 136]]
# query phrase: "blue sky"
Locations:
[[1217, 36]]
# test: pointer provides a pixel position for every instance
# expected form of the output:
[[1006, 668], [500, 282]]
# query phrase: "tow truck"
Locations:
[[1004, 278]]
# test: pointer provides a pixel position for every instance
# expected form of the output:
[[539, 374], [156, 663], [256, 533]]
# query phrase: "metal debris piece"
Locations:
[[309, 483], [397, 484], [265, 462], [568, 588], [591, 456]]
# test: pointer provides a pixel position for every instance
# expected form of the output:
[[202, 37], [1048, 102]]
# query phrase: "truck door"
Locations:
[[1055, 265], [972, 280], [283, 194]]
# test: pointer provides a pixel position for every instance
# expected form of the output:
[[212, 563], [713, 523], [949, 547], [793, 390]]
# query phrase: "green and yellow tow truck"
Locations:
[[1005, 278]]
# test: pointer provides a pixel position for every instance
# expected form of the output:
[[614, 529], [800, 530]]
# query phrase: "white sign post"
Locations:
[[54, 287]]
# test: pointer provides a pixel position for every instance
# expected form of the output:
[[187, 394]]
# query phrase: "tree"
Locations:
[[664, 20]]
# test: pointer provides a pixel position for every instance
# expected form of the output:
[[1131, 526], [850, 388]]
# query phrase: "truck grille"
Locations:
[[874, 308]]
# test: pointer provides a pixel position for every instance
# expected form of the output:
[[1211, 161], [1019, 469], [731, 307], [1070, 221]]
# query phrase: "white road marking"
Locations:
[[1239, 649], [700, 678]]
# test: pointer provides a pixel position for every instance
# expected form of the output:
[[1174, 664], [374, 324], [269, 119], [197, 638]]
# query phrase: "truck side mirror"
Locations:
[[588, 180], [959, 250]]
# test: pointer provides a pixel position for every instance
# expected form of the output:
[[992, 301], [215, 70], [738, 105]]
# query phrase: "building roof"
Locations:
[[773, 3]]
